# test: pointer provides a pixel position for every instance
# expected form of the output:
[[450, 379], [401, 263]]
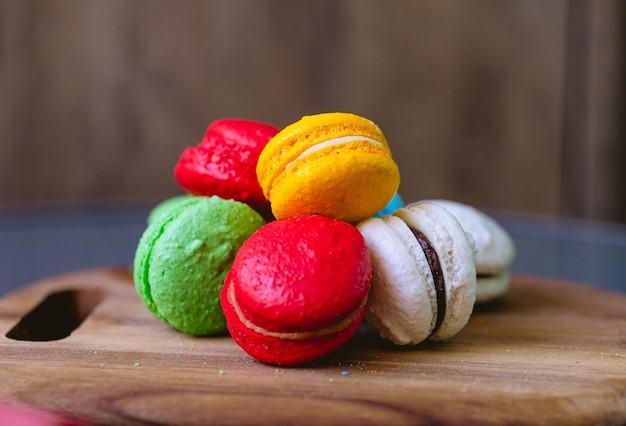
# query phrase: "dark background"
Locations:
[[511, 105]]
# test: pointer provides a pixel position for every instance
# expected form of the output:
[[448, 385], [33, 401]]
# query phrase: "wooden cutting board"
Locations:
[[548, 352]]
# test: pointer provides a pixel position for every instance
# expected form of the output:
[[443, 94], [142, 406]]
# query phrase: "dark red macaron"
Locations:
[[297, 289], [224, 162]]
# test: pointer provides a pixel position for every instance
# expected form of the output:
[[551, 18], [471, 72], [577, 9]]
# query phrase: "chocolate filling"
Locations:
[[435, 269]]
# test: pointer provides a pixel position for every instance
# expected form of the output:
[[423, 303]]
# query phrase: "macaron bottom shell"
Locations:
[[344, 184], [489, 287], [287, 351]]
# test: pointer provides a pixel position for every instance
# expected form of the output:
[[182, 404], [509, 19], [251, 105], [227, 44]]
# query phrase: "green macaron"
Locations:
[[166, 206], [183, 256]]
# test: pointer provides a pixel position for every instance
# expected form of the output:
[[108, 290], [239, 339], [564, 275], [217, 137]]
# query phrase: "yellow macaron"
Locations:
[[333, 164]]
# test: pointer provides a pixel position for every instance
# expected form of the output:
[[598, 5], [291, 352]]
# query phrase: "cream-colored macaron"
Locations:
[[423, 274], [495, 248]]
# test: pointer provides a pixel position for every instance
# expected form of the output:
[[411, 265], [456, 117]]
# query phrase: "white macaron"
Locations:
[[424, 275], [494, 245]]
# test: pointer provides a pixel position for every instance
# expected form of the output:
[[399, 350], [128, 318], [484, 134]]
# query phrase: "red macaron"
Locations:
[[297, 289], [224, 162]]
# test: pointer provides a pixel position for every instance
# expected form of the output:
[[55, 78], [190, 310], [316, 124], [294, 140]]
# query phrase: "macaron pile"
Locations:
[[288, 239]]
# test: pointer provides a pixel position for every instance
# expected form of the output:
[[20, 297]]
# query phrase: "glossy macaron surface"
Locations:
[[333, 164], [183, 257], [224, 162]]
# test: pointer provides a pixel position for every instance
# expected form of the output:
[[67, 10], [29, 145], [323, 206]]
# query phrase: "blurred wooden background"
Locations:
[[503, 104]]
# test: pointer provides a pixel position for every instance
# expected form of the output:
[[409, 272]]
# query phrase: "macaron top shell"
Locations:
[[182, 259], [295, 139], [333, 164], [494, 245], [224, 162], [301, 274]]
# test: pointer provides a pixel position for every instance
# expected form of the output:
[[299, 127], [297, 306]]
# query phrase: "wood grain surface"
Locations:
[[548, 352]]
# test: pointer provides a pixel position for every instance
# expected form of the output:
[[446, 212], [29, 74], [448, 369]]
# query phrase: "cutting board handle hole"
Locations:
[[56, 316]]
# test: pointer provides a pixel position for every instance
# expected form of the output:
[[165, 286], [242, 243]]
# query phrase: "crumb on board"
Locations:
[[604, 354], [137, 364]]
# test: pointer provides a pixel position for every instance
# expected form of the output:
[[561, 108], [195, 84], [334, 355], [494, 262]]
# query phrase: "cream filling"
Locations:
[[302, 335], [332, 142]]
